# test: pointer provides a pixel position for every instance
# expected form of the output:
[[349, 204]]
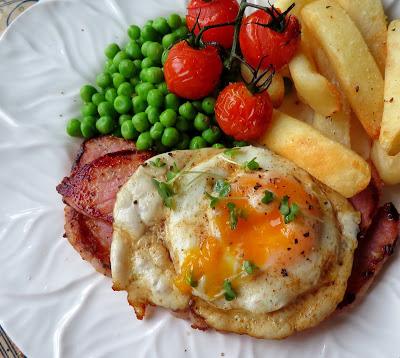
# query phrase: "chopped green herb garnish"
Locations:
[[173, 172], [158, 163], [231, 153], [252, 164], [166, 192], [222, 187], [268, 197], [284, 206], [213, 200], [289, 212], [229, 293], [249, 267], [294, 211], [234, 215], [191, 281]]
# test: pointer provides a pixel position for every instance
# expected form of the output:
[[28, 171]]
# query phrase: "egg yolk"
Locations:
[[260, 236]]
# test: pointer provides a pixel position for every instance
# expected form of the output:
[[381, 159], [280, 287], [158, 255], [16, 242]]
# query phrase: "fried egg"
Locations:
[[241, 239]]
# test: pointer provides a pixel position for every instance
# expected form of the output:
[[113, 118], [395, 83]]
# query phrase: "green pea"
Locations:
[[121, 55], [155, 98], [170, 137], [156, 131], [87, 92], [97, 98], [168, 40], [198, 143], [141, 122], [123, 118], [134, 32], [182, 124], [88, 129], [138, 65], [171, 102], [74, 127], [133, 50], [201, 122], [117, 79], [143, 89], [149, 33], [140, 41], [183, 20], [144, 48], [134, 81], [111, 50], [122, 104], [168, 117], [143, 74], [89, 120], [163, 88], [104, 80], [187, 111], [110, 67], [218, 146], [208, 105], [106, 109], [147, 62], [117, 132], [128, 130], [240, 143], [164, 57], [139, 104], [144, 141], [153, 114], [197, 105], [89, 109], [154, 52], [184, 142], [181, 33], [174, 21], [110, 94], [105, 125], [126, 68], [211, 135], [125, 89], [149, 22], [161, 25], [154, 75]]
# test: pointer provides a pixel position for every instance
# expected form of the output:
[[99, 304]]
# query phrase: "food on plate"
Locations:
[[274, 42], [387, 166], [333, 29], [192, 73], [341, 169], [313, 88], [390, 130], [261, 228], [256, 239], [370, 19], [202, 13], [242, 114]]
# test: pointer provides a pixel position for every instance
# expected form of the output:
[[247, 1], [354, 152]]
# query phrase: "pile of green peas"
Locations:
[[132, 100]]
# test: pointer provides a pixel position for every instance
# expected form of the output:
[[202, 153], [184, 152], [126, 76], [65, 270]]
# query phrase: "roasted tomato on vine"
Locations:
[[192, 73], [242, 114], [213, 12], [271, 37]]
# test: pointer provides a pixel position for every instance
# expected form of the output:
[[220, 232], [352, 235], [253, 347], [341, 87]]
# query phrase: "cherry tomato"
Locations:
[[268, 45], [242, 114], [192, 73], [213, 12]]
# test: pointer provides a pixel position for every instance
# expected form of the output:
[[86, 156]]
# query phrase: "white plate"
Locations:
[[51, 302]]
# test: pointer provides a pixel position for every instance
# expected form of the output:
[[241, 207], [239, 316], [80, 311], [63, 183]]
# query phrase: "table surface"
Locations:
[[9, 10]]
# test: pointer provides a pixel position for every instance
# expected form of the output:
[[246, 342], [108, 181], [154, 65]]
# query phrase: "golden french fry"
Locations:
[[351, 60], [335, 127], [360, 141], [284, 4], [370, 19], [276, 90], [292, 106], [388, 166], [330, 162], [313, 88], [390, 129]]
